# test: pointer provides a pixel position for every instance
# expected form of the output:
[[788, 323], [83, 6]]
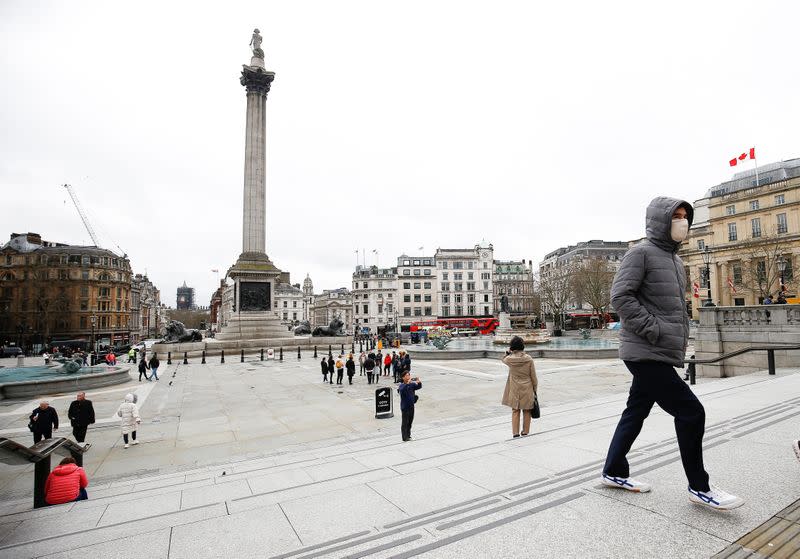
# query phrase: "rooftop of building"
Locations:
[[31, 242], [767, 174], [594, 244]]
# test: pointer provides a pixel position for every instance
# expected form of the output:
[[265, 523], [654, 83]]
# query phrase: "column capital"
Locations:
[[256, 80]]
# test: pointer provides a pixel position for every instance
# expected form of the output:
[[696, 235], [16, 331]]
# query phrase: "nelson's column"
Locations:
[[254, 275]]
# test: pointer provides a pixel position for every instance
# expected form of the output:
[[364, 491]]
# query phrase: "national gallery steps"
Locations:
[[462, 488]]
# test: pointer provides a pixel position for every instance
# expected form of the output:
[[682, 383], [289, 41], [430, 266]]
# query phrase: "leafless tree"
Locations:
[[592, 279], [555, 291], [760, 270]]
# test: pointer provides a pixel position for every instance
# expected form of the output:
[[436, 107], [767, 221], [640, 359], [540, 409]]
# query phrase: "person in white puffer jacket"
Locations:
[[129, 412]]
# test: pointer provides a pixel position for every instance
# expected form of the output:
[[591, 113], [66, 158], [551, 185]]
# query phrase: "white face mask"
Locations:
[[679, 230]]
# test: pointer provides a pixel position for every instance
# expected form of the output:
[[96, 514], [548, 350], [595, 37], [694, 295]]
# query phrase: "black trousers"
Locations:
[[339, 376], [350, 378], [79, 432], [658, 383], [125, 436], [39, 435], [369, 377], [331, 375], [408, 419]]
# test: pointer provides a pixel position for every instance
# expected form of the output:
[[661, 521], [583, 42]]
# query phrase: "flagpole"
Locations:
[[755, 160]]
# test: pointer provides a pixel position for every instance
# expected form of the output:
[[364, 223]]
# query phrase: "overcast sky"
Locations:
[[390, 125]]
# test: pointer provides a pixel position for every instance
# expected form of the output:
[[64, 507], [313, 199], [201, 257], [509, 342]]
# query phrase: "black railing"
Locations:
[[770, 349]]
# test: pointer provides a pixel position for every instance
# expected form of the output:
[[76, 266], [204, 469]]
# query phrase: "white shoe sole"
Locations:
[[734, 505], [613, 485]]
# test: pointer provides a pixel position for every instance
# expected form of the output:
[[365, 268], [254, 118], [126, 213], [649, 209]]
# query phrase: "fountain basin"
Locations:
[[27, 382], [485, 348]]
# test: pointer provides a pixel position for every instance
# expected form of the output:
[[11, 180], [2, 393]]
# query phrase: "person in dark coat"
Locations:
[[323, 365], [154, 365], [143, 368], [81, 415], [648, 293], [351, 368], [44, 420], [395, 367], [408, 398], [331, 367], [369, 365]]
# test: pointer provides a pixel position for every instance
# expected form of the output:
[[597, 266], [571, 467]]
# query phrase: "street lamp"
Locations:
[[707, 260], [781, 269]]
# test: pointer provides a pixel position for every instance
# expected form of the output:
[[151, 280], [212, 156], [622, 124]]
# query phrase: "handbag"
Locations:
[[536, 413]]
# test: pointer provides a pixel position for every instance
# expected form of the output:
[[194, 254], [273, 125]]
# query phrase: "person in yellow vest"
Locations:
[[339, 369]]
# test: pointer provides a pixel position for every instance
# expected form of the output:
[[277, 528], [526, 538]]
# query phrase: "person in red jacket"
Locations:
[[66, 483], [387, 364]]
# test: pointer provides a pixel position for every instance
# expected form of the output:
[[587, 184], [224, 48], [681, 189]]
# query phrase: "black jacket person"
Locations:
[[81, 415], [44, 419]]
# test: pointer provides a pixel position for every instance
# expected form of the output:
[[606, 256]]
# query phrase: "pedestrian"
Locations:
[[131, 355], [369, 365], [111, 359], [331, 367], [406, 365], [66, 483], [361, 360], [647, 293], [339, 369], [781, 300], [143, 368], [768, 299], [521, 386], [129, 412], [387, 363], [81, 415], [395, 366], [408, 399], [42, 421], [154, 365], [46, 357], [324, 366], [351, 368]]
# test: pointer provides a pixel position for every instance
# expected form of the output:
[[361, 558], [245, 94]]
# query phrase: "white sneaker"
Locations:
[[126, 446], [715, 498], [796, 448], [135, 442], [627, 483]]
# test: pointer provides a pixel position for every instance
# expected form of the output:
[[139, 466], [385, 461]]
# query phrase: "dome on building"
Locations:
[[308, 285]]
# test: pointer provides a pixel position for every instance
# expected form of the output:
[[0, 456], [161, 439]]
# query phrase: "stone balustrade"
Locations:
[[726, 329]]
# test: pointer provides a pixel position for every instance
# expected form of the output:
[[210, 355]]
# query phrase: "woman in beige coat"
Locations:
[[520, 392]]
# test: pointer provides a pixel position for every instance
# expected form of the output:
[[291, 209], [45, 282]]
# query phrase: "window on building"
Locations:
[[761, 270], [470, 286], [426, 272], [753, 204], [417, 298], [458, 265], [781, 222], [737, 274], [406, 285], [294, 316], [470, 264], [730, 210], [459, 310], [389, 308], [470, 298], [366, 309], [458, 276], [780, 199], [486, 285], [732, 232], [444, 265], [407, 311], [738, 301], [427, 298], [427, 311], [105, 292], [486, 298], [83, 322], [701, 244], [471, 310], [380, 308], [294, 304], [788, 272], [417, 272], [445, 298], [417, 285], [445, 275], [486, 310], [286, 316], [445, 286], [417, 311], [486, 276], [469, 275], [406, 298], [457, 297], [285, 304], [445, 311], [756, 223], [406, 272], [485, 265], [458, 286], [427, 285]]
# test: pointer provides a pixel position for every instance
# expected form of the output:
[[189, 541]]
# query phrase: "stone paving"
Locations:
[[324, 479]]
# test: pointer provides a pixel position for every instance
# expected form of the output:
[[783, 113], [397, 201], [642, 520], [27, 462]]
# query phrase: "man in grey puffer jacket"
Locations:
[[648, 294]]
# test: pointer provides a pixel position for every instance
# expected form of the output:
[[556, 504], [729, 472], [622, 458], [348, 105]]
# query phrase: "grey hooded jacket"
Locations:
[[648, 291]]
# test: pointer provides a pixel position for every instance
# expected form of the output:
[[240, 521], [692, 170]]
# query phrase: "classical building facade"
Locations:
[[464, 278], [751, 231], [150, 315], [308, 297], [374, 298], [416, 289], [514, 279], [288, 304], [330, 304], [53, 291]]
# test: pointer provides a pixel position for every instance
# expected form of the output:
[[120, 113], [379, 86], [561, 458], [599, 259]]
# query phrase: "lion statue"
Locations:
[[302, 329], [333, 329], [176, 332]]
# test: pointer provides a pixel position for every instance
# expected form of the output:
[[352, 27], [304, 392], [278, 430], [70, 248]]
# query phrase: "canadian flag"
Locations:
[[696, 287], [742, 157], [730, 284]]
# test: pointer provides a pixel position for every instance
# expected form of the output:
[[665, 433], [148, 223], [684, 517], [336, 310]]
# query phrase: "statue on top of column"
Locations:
[[255, 43]]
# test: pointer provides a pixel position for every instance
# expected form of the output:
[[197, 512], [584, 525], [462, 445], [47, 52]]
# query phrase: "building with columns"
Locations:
[[514, 279], [333, 303], [751, 232], [289, 302], [464, 278], [374, 298]]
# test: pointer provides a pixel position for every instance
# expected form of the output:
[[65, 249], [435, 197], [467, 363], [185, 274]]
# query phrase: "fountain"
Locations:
[[63, 376]]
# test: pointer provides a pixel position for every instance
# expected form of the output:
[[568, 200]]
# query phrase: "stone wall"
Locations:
[[726, 329]]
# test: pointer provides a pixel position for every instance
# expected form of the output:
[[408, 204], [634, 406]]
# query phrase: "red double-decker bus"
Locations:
[[481, 325]]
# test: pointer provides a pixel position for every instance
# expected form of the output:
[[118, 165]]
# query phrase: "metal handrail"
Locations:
[[770, 349]]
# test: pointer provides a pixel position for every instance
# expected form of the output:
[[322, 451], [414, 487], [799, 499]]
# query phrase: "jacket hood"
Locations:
[[517, 357], [65, 469], [659, 221]]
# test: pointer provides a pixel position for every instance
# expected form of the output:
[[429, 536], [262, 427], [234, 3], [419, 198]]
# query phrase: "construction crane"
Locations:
[[82, 214]]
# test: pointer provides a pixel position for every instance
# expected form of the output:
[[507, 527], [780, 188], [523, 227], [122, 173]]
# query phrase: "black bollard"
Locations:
[[352, 347], [169, 358], [315, 352], [242, 357], [262, 354], [281, 358], [222, 360], [330, 351], [360, 347], [203, 361], [342, 349], [298, 352], [185, 359]]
